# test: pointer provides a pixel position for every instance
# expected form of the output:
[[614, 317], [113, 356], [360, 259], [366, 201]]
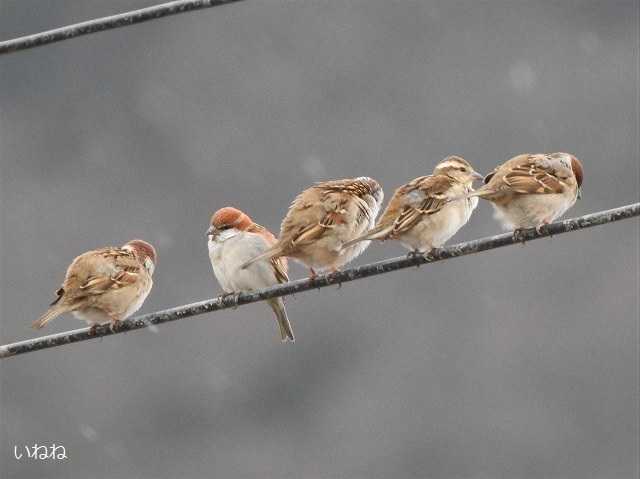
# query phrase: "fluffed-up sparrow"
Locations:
[[424, 213], [105, 285], [322, 219], [532, 190], [233, 239]]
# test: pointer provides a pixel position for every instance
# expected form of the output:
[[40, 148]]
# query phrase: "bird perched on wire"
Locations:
[[532, 190], [322, 219], [105, 285], [421, 214], [233, 238]]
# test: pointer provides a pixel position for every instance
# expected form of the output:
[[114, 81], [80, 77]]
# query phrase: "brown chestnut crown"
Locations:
[[230, 217], [576, 166], [143, 250]]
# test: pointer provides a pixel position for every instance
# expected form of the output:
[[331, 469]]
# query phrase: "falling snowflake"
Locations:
[[522, 77]]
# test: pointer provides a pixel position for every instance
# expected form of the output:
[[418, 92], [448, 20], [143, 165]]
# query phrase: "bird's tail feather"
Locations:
[[51, 313], [480, 193], [286, 331], [375, 233], [268, 254]]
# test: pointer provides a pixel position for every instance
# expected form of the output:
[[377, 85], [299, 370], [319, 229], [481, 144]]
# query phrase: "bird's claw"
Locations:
[[414, 254], [234, 298], [332, 275], [542, 229], [519, 235], [432, 255]]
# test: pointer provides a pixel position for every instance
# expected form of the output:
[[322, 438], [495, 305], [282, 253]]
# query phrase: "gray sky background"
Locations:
[[516, 363]]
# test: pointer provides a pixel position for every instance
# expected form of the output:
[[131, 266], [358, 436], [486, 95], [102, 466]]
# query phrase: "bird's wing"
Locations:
[[528, 174], [420, 197], [106, 269], [280, 269], [322, 207]]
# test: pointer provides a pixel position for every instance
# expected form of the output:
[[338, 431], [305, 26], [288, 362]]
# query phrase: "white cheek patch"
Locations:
[[224, 235], [149, 265]]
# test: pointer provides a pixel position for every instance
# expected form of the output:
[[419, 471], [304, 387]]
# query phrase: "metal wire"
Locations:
[[352, 274], [107, 23]]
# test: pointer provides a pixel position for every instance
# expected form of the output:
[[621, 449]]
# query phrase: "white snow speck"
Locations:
[[218, 380], [522, 77], [590, 42], [115, 450], [88, 432], [314, 168], [165, 240]]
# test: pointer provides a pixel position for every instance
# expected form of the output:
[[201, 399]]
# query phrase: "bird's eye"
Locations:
[[224, 227], [463, 169]]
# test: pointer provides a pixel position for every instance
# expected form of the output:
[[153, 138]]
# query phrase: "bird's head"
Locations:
[[145, 252], [226, 219], [372, 189], [576, 167], [457, 168]]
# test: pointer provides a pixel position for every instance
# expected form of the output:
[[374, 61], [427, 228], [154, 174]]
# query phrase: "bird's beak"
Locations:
[[477, 176], [579, 192], [211, 232]]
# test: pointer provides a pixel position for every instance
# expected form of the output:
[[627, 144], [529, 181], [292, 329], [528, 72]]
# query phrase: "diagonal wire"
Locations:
[[107, 23], [352, 274]]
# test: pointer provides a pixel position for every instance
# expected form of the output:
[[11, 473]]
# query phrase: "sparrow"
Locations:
[[322, 219], [105, 285], [234, 238], [424, 213], [532, 190]]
